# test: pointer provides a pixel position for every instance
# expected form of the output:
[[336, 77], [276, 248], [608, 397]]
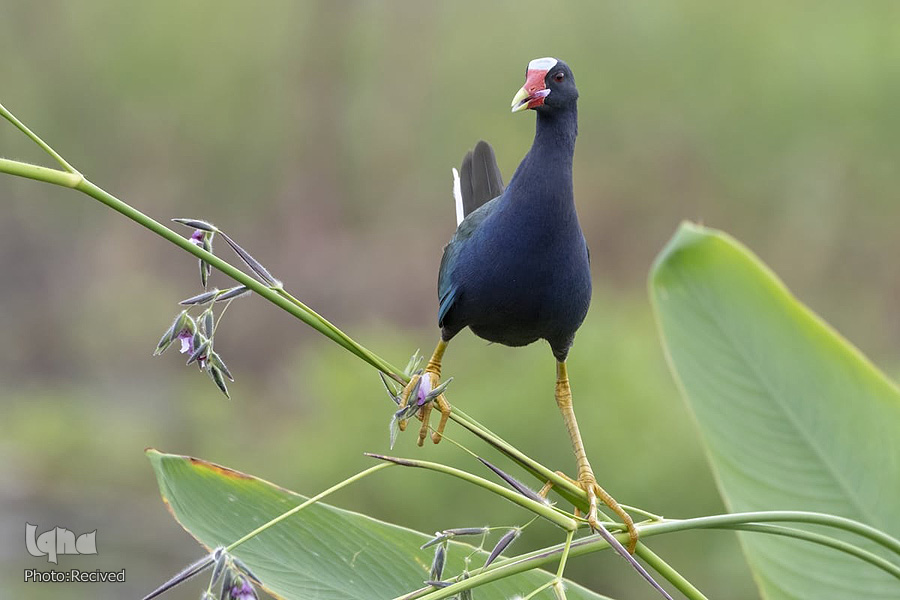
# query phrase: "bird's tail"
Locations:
[[477, 181]]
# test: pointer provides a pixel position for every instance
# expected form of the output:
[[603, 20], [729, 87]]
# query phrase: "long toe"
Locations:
[[599, 492], [588, 483]]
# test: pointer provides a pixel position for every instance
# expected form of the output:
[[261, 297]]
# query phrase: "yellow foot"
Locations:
[[593, 490], [421, 390]]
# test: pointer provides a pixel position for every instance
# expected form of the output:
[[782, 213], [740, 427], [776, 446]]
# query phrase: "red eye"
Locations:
[[559, 76]]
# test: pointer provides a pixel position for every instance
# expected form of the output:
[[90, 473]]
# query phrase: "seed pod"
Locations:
[[466, 531], [514, 483], [170, 335], [197, 224], [205, 271], [221, 558], [438, 390], [414, 361], [216, 375], [251, 262], [502, 545], [203, 298], [185, 574], [235, 292], [226, 584], [217, 362], [392, 394], [439, 536], [189, 323], [207, 321], [205, 267], [198, 350], [412, 399], [245, 569], [408, 411], [437, 565]]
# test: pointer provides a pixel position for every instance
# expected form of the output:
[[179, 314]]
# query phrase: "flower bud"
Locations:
[[241, 589], [170, 335], [437, 565], [199, 350], [502, 545], [235, 292], [216, 361], [216, 375], [203, 298]]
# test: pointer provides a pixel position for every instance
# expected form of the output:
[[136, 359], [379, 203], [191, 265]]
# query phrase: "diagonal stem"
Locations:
[[34, 137]]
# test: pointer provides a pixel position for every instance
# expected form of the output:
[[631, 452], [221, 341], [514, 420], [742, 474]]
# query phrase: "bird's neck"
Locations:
[[545, 174], [554, 135]]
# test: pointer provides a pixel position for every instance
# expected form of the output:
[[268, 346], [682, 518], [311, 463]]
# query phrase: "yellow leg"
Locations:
[[433, 373], [586, 479]]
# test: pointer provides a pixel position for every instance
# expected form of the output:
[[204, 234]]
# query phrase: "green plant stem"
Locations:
[[823, 540], [308, 502], [544, 510], [33, 137], [792, 516], [38, 173], [565, 555], [350, 344]]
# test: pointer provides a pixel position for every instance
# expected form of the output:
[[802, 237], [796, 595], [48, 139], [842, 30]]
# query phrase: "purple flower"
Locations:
[[424, 389], [186, 336], [197, 238], [241, 589], [193, 343]]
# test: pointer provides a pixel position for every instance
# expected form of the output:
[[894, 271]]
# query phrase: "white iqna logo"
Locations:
[[58, 541]]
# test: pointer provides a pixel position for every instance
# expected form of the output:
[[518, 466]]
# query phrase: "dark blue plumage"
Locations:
[[517, 268]]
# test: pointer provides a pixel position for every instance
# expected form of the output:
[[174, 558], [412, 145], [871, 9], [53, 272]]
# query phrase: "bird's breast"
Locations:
[[522, 284]]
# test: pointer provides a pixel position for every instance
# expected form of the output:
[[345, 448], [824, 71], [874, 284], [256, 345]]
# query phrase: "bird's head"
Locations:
[[549, 84]]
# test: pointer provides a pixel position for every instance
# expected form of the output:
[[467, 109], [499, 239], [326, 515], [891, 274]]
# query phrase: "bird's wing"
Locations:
[[448, 290], [479, 180]]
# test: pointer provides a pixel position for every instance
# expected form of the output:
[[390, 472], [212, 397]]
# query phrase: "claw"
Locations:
[[594, 491]]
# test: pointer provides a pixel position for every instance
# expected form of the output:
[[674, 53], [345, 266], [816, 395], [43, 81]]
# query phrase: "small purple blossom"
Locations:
[[425, 388], [197, 238], [186, 336], [241, 589]]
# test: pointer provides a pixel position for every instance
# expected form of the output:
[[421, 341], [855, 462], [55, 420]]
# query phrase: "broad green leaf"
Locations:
[[792, 415], [322, 553]]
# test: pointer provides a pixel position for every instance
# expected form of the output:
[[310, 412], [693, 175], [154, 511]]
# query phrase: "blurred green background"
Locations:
[[321, 136]]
